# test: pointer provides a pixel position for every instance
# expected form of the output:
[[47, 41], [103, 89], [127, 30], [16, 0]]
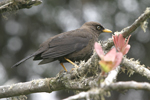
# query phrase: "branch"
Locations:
[[129, 85], [85, 95], [112, 76], [110, 87], [128, 30], [13, 5], [135, 66], [24, 88], [61, 82]]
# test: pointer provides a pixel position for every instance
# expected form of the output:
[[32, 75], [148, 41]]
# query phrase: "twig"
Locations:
[[109, 80], [129, 85], [13, 5], [110, 87], [85, 95], [128, 30], [111, 77]]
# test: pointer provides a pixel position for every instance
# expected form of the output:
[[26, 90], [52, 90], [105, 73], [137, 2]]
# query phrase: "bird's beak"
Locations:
[[107, 31]]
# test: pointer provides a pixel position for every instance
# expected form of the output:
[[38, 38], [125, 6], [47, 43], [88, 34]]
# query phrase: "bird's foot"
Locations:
[[71, 62]]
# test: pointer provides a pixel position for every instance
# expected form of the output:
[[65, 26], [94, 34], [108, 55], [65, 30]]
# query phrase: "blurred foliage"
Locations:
[[21, 33]]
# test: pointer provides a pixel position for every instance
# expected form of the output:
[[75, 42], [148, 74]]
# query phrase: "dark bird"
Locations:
[[69, 46]]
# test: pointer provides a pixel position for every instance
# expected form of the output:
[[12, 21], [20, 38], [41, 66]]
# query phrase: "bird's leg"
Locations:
[[71, 62], [63, 66]]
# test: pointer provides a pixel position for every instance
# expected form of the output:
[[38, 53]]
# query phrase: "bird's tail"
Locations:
[[24, 59]]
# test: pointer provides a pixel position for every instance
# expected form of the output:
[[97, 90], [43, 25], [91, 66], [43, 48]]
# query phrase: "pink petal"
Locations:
[[99, 50], [110, 56], [121, 41], [115, 39], [126, 49], [118, 59]]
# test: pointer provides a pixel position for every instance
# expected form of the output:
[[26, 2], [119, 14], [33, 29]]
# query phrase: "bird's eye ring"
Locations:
[[98, 27]]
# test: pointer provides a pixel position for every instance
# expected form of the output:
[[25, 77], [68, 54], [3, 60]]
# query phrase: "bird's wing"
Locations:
[[61, 46]]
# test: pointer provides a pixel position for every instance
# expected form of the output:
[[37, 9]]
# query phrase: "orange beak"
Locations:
[[107, 31]]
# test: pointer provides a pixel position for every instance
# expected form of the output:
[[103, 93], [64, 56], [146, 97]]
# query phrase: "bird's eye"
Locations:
[[98, 27]]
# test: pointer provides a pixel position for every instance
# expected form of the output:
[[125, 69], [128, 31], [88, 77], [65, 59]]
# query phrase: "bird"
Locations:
[[71, 46]]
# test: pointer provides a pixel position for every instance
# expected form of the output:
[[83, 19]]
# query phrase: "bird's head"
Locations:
[[96, 27]]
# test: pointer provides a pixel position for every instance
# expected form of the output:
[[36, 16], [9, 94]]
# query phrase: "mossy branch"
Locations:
[[14, 5]]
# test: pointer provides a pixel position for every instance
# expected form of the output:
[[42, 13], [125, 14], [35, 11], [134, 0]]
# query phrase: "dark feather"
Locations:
[[38, 57], [65, 47], [28, 57]]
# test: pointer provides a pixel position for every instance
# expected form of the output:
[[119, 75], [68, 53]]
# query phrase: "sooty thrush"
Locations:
[[69, 46]]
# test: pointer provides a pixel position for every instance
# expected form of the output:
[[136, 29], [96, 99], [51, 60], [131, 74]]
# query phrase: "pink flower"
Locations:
[[109, 61], [121, 44]]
